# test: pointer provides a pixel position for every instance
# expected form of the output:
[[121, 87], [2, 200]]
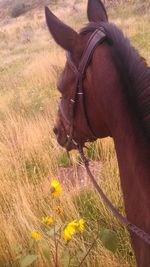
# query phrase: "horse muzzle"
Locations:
[[63, 138]]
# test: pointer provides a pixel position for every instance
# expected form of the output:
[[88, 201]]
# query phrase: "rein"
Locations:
[[97, 37], [132, 227]]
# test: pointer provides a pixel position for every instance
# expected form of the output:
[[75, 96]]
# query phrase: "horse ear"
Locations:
[[62, 34], [96, 11]]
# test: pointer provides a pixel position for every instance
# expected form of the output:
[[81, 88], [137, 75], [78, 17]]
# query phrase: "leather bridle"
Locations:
[[97, 37]]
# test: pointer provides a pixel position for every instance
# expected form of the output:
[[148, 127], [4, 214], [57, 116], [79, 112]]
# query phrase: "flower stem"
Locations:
[[56, 243], [56, 247], [92, 245], [69, 260]]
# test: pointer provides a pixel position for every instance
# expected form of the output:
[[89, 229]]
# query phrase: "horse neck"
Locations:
[[133, 159], [133, 156], [131, 145]]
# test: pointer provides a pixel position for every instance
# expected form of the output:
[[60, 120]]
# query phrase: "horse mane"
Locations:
[[133, 70]]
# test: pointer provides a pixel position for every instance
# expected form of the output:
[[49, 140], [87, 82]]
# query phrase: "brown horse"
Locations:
[[116, 102]]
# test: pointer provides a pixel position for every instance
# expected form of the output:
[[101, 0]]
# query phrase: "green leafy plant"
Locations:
[[59, 242]]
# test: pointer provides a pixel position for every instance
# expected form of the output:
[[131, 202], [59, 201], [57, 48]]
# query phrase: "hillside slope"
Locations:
[[7, 5]]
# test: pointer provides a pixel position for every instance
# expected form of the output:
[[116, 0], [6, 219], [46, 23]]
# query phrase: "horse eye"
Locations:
[[58, 89]]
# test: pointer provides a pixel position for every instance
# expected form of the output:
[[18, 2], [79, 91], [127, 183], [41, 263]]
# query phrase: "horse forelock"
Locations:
[[133, 69]]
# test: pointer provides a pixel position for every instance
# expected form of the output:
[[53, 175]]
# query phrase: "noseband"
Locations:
[[97, 37]]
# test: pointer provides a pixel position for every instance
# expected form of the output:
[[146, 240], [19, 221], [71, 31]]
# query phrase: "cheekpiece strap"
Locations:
[[96, 38]]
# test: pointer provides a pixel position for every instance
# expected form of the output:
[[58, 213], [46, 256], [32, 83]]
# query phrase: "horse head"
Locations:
[[86, 104]]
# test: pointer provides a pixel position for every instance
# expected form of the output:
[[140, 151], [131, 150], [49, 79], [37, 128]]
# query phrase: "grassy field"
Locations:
[[30, 157]]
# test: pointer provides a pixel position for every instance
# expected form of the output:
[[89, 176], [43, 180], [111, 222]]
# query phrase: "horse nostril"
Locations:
[[55, 130]]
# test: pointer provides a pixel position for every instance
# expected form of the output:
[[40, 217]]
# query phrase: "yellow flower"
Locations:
[[73, 224], [56, 188], [47, 220], [81, 226], [36, 235], [70, 230]]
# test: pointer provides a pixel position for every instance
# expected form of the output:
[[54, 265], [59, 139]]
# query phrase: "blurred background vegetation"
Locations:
[[30, 63]]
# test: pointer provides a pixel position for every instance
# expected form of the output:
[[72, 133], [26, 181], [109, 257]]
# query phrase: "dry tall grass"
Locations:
[[29, 155]]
